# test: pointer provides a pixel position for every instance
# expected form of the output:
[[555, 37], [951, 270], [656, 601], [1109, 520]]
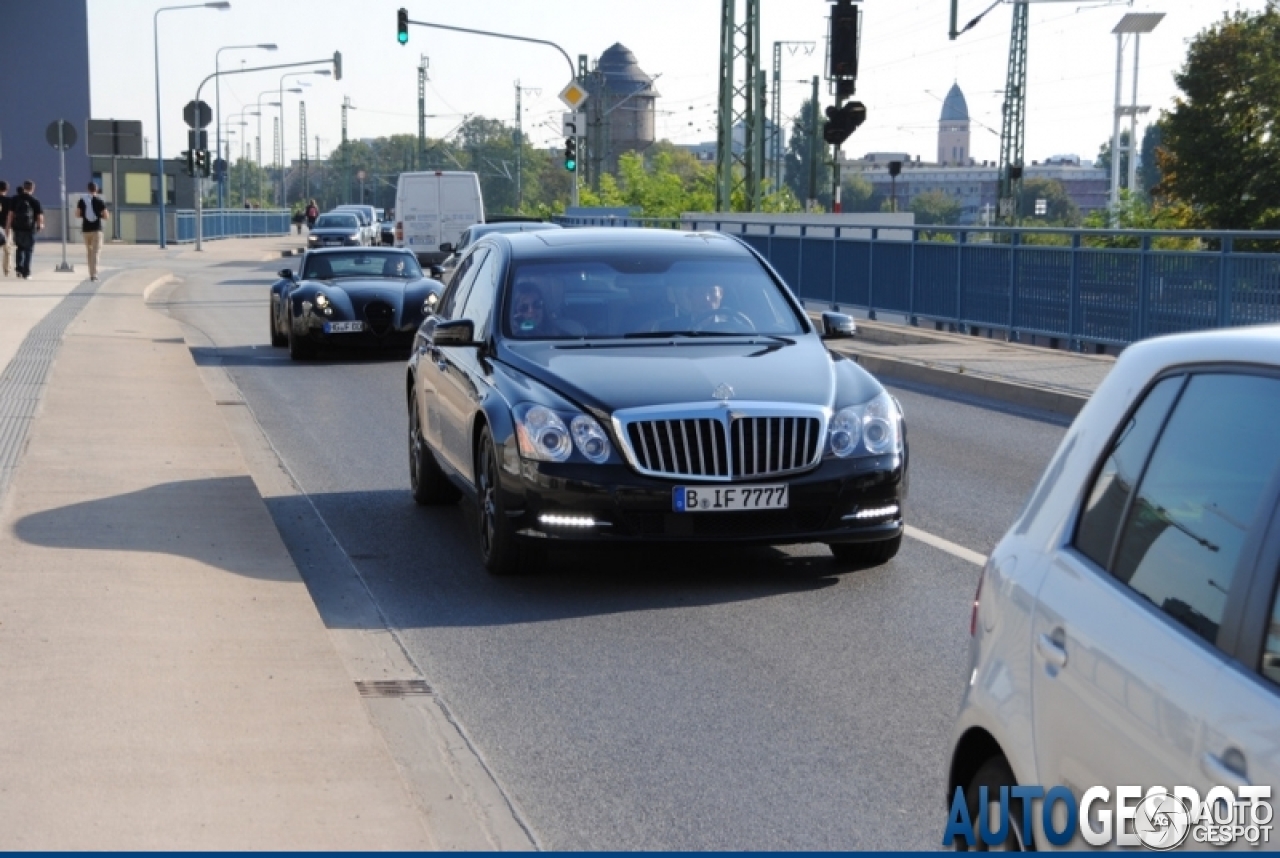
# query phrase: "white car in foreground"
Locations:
[[1126, 630]]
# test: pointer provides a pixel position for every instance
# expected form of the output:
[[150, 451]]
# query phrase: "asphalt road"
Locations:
[[713, 699]]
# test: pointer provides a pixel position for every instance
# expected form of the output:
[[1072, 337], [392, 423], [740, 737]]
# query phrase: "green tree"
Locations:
[[1137, 212], [1060, 209], [795, 169], [857, 194], [1148, 160], [935, 207], [1221, 146]]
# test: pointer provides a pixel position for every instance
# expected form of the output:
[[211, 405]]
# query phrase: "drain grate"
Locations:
[[392, 687]]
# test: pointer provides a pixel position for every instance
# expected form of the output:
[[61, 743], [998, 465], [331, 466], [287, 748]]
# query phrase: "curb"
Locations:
[[974, 384]]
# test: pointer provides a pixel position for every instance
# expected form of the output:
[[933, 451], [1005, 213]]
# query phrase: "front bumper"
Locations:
[[311, 328], [630, 508]]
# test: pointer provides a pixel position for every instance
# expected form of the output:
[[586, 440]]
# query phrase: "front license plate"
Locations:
[[343, 327], [726, 499]]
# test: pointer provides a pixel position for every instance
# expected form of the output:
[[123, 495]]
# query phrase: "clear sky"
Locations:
[[907, 65]]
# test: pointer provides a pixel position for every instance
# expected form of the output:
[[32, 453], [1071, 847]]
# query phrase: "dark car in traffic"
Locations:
[[477, 231], [371, 298], [336, 229], [602, 385]]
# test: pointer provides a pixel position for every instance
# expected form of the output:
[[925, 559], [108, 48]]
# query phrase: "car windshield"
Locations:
[[644, 296], [336, 221], [328, 266]]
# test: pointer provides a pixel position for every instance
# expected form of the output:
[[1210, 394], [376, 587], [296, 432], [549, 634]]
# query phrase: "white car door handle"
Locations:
[[1219, 772], [1052, 650]]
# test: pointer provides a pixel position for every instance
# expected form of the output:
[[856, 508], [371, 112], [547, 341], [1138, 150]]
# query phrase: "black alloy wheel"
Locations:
[[277, 339], [866, 553], [430, 486], [993, 774], [500, 550]]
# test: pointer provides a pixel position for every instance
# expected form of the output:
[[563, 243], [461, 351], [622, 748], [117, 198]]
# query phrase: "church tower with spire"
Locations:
[[953, 129]]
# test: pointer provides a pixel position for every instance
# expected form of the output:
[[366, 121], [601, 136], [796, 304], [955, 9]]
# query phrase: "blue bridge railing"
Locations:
[[232, 223], [1081, 286]]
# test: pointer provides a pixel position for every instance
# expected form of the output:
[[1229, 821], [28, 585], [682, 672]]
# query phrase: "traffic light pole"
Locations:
[[403, 19], [336, 59]]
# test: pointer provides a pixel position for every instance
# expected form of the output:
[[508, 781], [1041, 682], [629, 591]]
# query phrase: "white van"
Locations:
[[433, 208]]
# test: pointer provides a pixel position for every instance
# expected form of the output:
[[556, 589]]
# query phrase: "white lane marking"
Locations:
[[946, 545]]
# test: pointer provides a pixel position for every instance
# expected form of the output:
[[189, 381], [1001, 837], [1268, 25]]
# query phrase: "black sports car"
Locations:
[[361, 297], [647, 385]]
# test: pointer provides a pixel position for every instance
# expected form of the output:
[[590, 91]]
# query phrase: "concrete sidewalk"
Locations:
[[168, 681]]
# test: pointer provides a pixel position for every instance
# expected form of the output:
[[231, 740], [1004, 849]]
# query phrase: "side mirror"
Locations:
[[436, 271], [286, 273], [455, 332], [838, 326], [447, 247]]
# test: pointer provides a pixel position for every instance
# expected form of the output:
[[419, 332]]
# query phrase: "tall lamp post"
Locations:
[[243, 124], [217, 107], [283, 137], [1135, 24], [155, 26]]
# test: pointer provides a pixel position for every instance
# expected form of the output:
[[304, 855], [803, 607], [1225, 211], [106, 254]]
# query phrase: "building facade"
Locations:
[[953, 130], [621, 109]]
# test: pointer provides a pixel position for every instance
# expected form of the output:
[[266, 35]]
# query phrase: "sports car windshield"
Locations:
[[329, 266], [645, 297]]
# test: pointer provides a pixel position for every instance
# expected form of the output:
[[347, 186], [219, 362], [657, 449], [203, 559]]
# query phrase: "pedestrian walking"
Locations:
[[313, 212], [25, 219], [92, 211], [6, 238]]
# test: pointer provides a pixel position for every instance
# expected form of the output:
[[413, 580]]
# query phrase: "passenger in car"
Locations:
[[530, 316]]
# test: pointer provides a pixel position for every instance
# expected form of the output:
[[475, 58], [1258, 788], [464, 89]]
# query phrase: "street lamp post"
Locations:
[[217, 107], [283, 137], [243, 124], [262, 104], [1135, 24], [155, 26]]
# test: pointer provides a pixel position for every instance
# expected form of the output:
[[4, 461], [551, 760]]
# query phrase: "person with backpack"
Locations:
[[25, 219], [92, 211], [6, 240], [313, 212]]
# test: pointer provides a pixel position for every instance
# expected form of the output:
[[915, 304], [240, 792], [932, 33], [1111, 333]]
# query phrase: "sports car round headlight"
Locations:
[[591, 440], [542, 435], [322, 300], [846, 429]]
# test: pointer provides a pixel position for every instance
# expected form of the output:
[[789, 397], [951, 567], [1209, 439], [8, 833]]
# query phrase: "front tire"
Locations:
[[993, 774], [430, 486], [500, 549], [277, 340], [866, 553]]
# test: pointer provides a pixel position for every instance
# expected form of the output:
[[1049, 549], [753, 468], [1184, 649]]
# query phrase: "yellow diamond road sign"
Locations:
[[573, 95]]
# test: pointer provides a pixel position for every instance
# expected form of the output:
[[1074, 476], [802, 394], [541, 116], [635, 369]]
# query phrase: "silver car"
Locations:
[[1126, 629]]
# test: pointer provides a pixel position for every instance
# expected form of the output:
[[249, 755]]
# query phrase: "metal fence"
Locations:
[[1081, 286], [232, 223]]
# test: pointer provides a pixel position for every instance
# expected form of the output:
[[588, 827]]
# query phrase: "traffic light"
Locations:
[[844, 40], [571, 154], [402, 26], [337, 65], [843, 121], [202, 163], [190, 157]]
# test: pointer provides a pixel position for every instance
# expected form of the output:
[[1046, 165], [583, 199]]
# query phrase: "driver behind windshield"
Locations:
[[693, 303]]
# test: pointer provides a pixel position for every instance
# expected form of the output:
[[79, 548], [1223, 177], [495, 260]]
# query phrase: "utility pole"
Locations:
[[276, 157], [1014, 127], [776, 144], [815, 151], [346, 151], [422, 113], [739, 42], [520, 142]]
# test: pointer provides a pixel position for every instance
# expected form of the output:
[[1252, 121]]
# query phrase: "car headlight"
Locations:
[[590, 439], [877, 424], [322, 300], [541, 434]]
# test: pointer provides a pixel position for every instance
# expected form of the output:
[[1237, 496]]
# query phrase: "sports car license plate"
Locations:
[[343, 327], [725, 499]]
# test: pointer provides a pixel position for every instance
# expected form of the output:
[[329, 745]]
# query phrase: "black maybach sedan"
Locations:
[[370, 298], [609, 385]]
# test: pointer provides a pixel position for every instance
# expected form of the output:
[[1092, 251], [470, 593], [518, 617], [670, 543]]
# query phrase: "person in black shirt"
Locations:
[[5, 238], [92, 212], [25, 218]]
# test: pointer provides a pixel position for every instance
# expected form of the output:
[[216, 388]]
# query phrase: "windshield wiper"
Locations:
[[651, 335]]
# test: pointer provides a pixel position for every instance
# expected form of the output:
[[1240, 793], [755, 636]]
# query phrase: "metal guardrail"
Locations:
[[1110, 287], [232, 223]]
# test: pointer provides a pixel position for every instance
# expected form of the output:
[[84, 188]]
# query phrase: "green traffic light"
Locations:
[[571, 165], [403, 36]]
